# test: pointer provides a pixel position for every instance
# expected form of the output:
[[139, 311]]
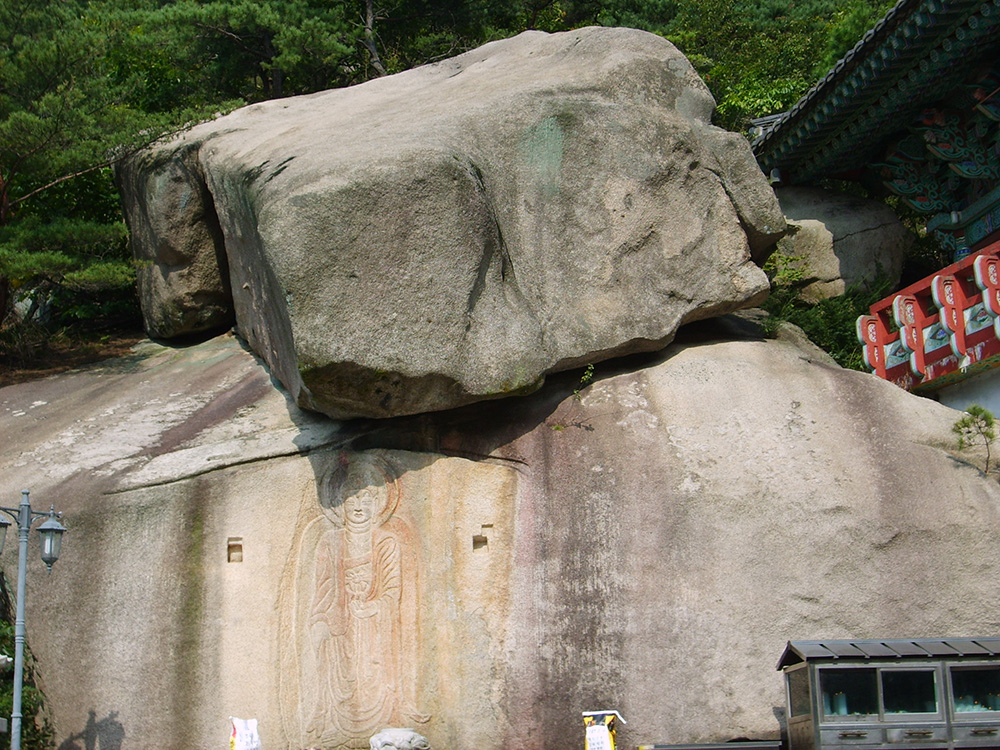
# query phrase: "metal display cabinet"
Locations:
[[933, 694]]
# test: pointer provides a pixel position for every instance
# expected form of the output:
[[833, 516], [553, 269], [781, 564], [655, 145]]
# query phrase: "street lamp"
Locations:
[[50, 534]]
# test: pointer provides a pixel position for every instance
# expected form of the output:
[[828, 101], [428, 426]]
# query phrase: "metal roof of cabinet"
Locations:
[[919, 648]]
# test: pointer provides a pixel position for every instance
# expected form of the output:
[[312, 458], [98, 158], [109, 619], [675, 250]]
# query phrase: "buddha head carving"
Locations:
[[358, 493]]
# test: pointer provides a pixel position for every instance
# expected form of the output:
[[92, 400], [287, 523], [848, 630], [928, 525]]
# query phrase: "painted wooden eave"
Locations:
[[920, 52]]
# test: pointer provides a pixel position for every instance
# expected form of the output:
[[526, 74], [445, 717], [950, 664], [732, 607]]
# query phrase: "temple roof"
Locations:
[[920, 53]]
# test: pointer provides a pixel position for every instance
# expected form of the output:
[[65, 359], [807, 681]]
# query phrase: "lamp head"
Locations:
[[50, 533], [4, 524]]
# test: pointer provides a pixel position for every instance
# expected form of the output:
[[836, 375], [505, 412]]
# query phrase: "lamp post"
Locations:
[[50, 533]]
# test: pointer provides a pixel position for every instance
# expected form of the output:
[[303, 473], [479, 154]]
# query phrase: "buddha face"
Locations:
[[357, 496], [359, 508]]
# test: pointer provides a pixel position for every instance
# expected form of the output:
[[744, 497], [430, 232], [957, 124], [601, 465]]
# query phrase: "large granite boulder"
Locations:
[[841, 241], [456, 232], [486, 574]]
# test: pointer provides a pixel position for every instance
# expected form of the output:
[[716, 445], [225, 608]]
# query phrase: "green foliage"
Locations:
[[656, 16], [754, 94], [847, 24], [785, 274], [21, 342], [67, 112], [66, 271], [759, 57], [585, 379], [36, 733], [63, 109], [248, 49], [976, 427], [829, 323]]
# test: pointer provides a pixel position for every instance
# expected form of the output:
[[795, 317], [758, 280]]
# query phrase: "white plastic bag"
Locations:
[[244, 736]]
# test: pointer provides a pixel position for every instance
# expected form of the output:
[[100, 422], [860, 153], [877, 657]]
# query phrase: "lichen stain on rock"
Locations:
[[542, 150]]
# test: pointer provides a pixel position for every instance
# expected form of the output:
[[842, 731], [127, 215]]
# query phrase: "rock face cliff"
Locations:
[[645, 541], [485, 574], [456, 232]]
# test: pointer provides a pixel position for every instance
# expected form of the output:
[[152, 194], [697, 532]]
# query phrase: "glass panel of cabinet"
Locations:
[[976, 689], [849, 693]]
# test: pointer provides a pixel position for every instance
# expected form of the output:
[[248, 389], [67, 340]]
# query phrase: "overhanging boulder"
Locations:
[[456, 232]]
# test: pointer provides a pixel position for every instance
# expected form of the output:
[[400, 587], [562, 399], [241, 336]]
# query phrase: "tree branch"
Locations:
[[370, 37], [107, 163], [240, 41]]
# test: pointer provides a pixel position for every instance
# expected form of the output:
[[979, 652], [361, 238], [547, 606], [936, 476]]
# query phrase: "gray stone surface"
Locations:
[[458, 231], [843, 241], [648, 546], [182, 271]]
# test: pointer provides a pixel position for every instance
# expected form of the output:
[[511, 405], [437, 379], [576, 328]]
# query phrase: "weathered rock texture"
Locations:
[[176, 238], [456, 232], [648, 546], [842, 241]]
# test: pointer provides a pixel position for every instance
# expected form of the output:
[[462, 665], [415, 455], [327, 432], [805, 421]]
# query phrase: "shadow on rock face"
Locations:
[[106, 733], [477, 431]]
